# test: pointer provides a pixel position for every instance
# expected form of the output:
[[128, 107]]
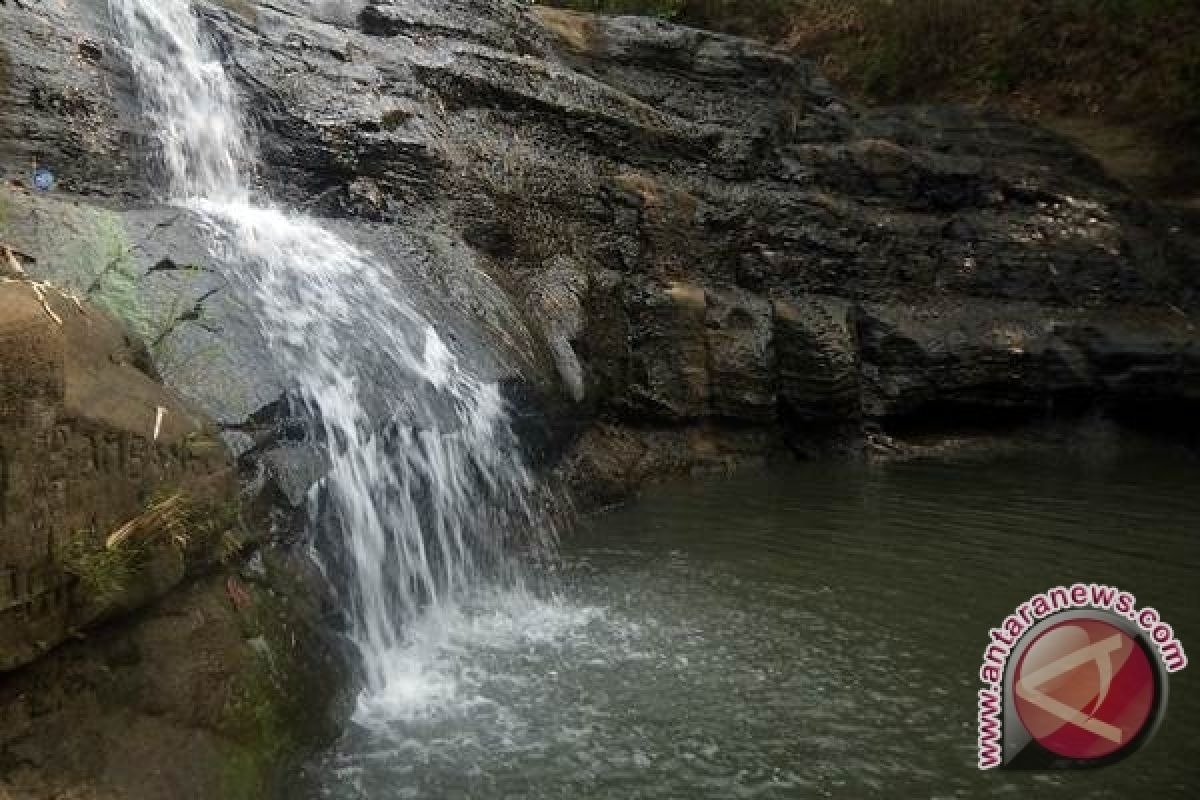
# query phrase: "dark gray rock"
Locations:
[[217, 692], [68, 102], [985, 355], [625, 220], [668, 355], [963, 353], [816, 341], [741, 355], [554, 301]]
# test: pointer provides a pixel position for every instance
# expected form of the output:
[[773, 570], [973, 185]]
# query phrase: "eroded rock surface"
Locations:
[[226, 673], [642, 225], [210, 694], [88, 439]]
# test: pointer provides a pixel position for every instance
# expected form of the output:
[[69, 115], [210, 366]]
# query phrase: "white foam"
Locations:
[[436, 671]]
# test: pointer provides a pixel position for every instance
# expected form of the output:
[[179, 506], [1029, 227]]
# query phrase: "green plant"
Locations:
[[171, 518], [105, 569], [104, 573]]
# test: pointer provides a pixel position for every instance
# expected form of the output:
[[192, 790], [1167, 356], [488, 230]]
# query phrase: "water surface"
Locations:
[[812, 632]]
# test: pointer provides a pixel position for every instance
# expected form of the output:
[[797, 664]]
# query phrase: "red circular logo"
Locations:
[[1084, 689]]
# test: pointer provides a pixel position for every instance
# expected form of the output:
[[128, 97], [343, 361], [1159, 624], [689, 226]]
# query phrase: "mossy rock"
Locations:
[[219, 691], [87, 434], [293, 691]]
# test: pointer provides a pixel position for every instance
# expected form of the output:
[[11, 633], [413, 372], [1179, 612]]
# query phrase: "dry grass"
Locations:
[[1133, 63], [657, 199], [577, 31], [103, 573], [167, 517], [171, 519]]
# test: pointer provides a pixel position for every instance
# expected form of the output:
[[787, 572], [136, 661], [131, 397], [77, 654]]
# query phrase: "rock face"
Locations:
[[637, 225], [1014, 356], [87, 439], [198, 698], [207, 693]]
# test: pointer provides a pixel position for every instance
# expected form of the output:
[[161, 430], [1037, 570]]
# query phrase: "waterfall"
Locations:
[[425, 486]]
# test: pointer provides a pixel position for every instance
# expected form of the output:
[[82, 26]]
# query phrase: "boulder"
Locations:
[[90, 441], [216, 691]]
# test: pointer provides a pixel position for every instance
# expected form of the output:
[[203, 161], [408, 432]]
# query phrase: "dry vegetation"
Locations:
[[1134, 64]]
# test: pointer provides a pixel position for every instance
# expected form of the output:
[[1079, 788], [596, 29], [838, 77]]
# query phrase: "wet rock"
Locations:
[[611, 462], [68, 101], [668, 378], [816, 341], [555, 298], [1014, 356], [1146, 357], [497, 25], [185, 703], [927, 355], [741, 355]]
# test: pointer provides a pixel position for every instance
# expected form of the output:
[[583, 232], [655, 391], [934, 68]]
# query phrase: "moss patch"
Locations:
[[288, 696], [255, 720]]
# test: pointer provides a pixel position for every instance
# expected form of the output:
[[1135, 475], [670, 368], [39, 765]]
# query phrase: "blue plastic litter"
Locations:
[[43, 179]]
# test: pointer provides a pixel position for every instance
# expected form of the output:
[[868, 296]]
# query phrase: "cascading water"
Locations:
[[425, 486]]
